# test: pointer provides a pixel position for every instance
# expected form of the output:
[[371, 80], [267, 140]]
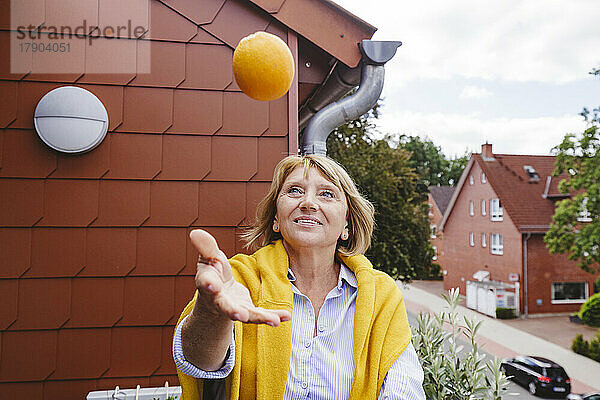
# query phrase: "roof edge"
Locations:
[[457, 191]]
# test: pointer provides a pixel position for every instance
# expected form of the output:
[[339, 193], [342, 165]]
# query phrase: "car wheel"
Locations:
[[532, 388]]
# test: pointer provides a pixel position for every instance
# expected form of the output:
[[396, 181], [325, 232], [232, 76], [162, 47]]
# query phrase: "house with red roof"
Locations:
[[438, 199], [495, 222]]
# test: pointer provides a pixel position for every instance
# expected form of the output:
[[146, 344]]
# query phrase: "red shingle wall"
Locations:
[[95, 259], [543, 269], [461, 260]]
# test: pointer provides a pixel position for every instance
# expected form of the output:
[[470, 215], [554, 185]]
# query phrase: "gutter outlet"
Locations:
[[374, 55]]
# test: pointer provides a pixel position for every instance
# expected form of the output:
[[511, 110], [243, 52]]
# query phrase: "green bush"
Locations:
[[449, 372], [505, 313], [590, 311], [589, 349]]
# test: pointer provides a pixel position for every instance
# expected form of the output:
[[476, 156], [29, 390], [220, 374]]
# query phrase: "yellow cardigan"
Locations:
[[262, 353]]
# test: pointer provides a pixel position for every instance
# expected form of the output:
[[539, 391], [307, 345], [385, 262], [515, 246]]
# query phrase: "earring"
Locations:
[[275, 227], [345, 235]]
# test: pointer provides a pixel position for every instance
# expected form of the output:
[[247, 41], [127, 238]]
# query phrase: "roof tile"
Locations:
[[118, 69], [199, 74], [173, 203], [25, 155], [90, 165], [71, 13], [159, 380], [23, 62], [200, 12], [225, 237], [30, 12], [148, 301], [68, 389], [166, 24], [43, 304], [214, 210], [60, 67], [9, 293], [124, 383], [8, 106], [239, 244], [56, 252], [131, 358], [160, 64], [185, 157], [204, 37], [110, 251], [243, 115], [197, 111], [22, 201], [69, 202], [255, 192], [41, 344], [15, 247], [134, 13], [184, 292], [147, 110], [271, 150], [96, 302], [168, 258], [134, 156], [22, 390], [314, 63], [123, 203], [167, 365], [225, 149], [82, 353], [278, 117], [248, 19]]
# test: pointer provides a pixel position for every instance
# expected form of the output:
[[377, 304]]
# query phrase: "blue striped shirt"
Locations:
[[322, 366]]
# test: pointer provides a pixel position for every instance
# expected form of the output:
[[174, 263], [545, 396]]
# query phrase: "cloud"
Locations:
[[474, 92], [513, 40], [457, 133]]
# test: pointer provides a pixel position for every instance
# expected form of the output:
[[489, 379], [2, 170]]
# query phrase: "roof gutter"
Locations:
[[332, 115]]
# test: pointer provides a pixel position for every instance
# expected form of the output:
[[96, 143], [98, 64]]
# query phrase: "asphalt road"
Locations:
[[519, 391]]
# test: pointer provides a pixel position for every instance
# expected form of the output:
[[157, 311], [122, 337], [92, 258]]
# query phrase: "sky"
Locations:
[[512, 73]]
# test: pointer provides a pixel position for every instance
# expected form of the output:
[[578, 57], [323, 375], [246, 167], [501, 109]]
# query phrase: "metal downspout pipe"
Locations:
[[525, 308], [375, 55]]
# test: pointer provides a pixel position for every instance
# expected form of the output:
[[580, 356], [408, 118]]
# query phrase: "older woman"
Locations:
[[348, 336]]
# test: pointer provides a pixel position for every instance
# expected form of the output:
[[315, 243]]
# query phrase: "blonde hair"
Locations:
[[360, 211]]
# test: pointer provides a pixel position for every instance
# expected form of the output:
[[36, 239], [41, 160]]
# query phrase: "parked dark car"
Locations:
[[587, 396], [538, 374]]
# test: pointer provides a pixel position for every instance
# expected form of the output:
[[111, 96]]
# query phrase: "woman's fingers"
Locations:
[[204, 243]]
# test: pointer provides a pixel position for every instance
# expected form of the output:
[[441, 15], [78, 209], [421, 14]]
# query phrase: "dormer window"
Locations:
[[496, 211], [532, 173]]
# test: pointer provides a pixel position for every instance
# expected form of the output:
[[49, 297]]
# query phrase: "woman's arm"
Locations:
[[206, 333], [404, 380]]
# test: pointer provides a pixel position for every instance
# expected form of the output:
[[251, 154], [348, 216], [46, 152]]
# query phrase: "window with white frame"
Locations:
[[496, 212], [483, 241], [569, 292], [434, 253], [483, 178], [430, 209], [471, 208], [483, 207], [470, 179], [433, 231], [471, 239], [584, 214], [496, 246]]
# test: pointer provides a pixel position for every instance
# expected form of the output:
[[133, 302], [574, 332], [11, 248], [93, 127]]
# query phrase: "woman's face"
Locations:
[[311, 211]]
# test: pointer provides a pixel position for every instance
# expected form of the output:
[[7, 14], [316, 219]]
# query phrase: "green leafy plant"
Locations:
[[450, 373], [589, 349], [590, 311], [505, 313]]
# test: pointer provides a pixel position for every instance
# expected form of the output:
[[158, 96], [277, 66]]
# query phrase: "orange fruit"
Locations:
[[263, 66]]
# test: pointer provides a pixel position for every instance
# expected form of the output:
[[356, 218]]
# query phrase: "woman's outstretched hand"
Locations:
[[219, 293]]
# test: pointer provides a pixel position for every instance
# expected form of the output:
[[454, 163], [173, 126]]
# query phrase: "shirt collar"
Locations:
[[345, 275]]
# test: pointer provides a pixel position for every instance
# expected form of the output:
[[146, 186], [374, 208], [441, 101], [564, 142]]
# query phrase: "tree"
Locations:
[[384, 175], [575, 227], [430, 163]]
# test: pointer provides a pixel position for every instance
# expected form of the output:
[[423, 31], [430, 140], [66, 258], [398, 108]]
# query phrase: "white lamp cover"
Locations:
[[71, 120]]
